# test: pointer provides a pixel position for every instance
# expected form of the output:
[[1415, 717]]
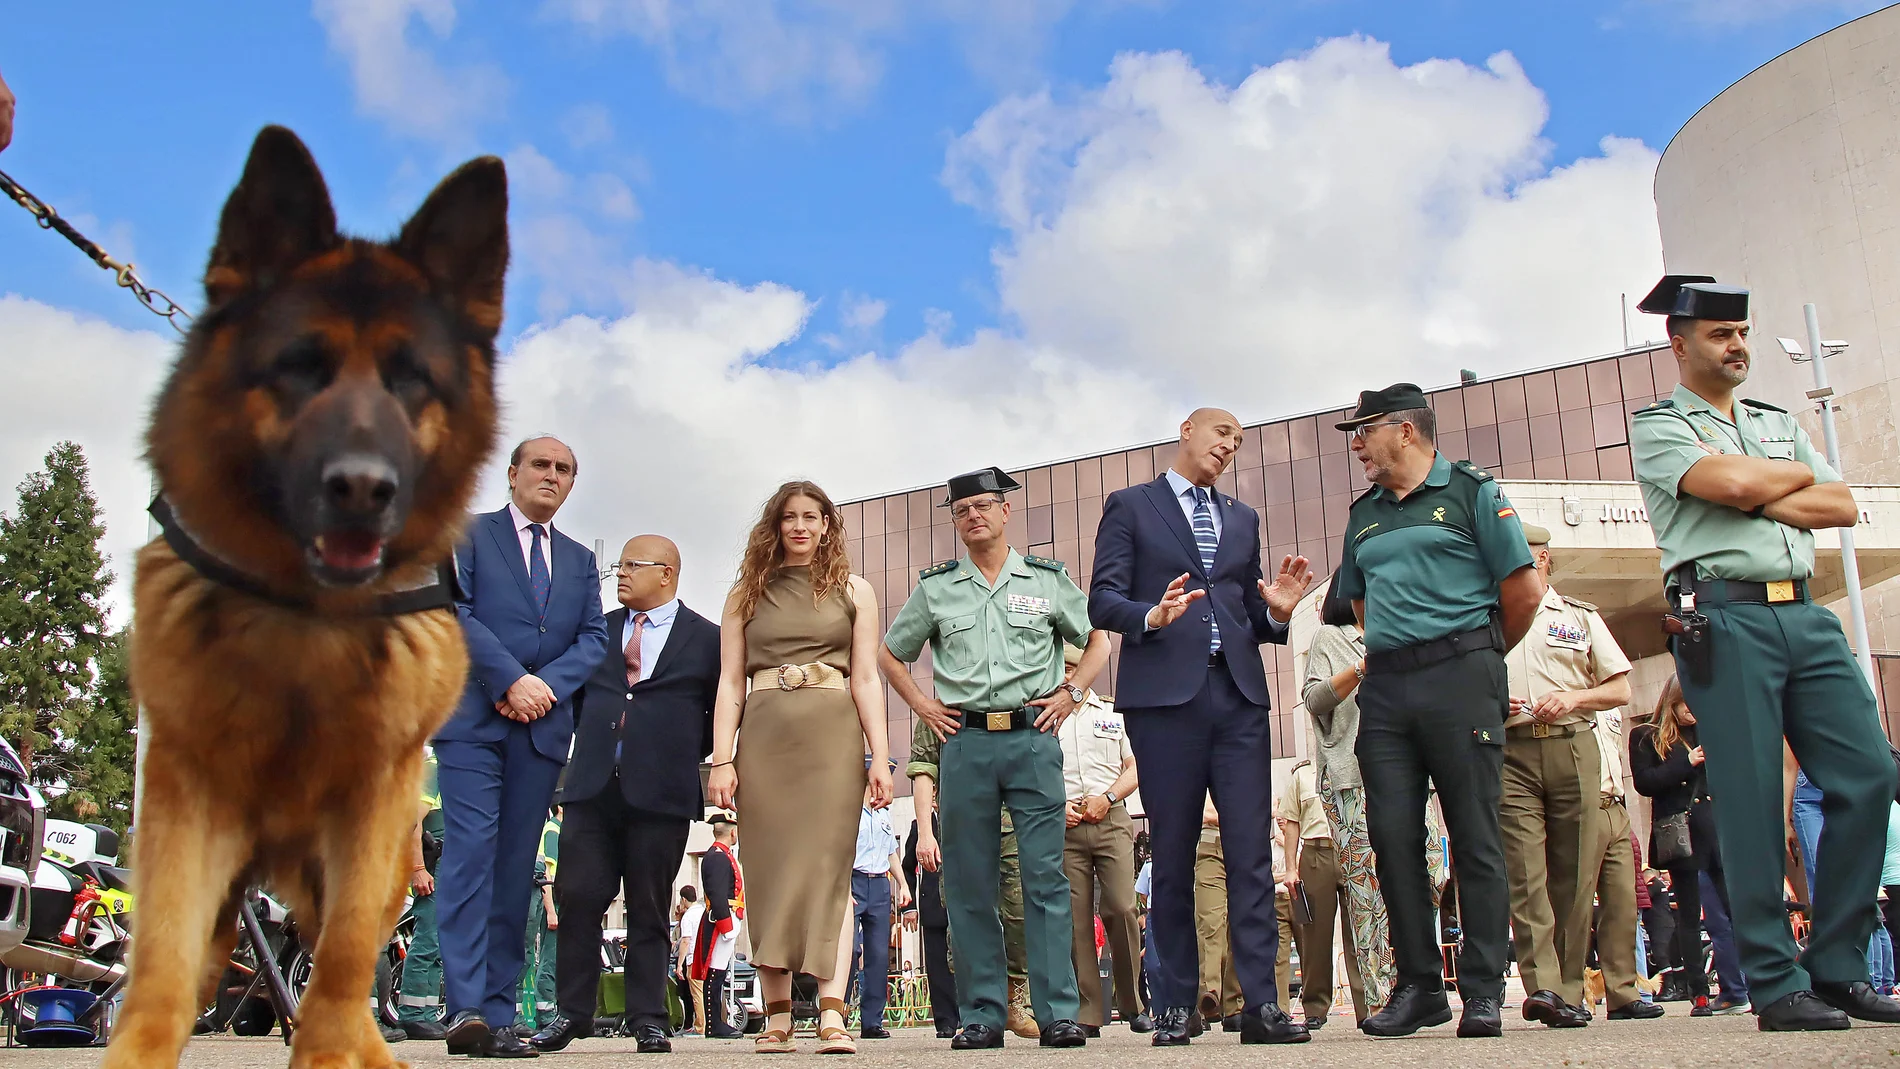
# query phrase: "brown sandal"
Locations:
[[834, 1040], [775, 1040]]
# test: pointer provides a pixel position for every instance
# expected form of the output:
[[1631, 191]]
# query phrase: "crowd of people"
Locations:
[[1447, 676]]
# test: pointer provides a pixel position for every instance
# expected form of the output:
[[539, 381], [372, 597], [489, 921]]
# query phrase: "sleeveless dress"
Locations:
[[800, 759]]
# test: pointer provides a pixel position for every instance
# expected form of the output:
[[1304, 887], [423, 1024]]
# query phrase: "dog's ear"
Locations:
[[459, 238], [278, 216]]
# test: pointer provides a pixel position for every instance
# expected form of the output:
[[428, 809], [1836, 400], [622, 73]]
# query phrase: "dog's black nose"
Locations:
[[359, 484]]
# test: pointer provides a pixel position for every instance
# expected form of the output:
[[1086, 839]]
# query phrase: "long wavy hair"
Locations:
[[765, 550], [1667, 731]]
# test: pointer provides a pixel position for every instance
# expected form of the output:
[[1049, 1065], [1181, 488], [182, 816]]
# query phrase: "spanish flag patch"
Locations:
[[1503, 512]]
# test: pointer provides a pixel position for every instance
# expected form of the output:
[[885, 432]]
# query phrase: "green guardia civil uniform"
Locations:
[[995, 648], [537, 1000], [926, 752], [1781, 668], [420, 996]]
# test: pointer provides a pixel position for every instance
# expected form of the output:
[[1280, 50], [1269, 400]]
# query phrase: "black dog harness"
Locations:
[[438, 593]]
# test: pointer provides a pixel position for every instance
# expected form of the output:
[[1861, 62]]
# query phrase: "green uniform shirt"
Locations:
[[1429, 566], [1725, 542], [431, 796], [992, 647]]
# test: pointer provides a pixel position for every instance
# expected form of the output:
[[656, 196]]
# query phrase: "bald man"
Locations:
[[1178, 573], [632, 793]]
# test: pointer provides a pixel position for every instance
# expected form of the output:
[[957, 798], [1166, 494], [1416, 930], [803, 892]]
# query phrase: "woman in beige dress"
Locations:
[[803, 632]]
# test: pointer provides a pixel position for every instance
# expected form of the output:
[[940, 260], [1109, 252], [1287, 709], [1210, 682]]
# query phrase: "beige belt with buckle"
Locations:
[[797, 676]]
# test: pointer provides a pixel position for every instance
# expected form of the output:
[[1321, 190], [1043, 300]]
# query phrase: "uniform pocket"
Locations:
[[958, 643], [1031, 639]]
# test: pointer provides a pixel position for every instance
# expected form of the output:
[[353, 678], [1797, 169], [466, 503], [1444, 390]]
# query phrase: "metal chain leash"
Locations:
[[127, 275]]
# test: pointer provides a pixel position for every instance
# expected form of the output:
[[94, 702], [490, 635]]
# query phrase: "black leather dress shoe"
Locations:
[[1093, 1031], [503, 1043], [560, 1031], [1314, 1024], [946, 1033], [651, 1039], [1175, 1027], [1858, 999], [422, 1029], [391, 1033], [978, 1037], [1550, 1008], [1064, 1034], [466, 1033], [1410, 1009], [1635, 1011], [877, 1032], [1270, 1024], [1230, 1023], [1483, 1018], [1142, 1024], [1800, 1011]]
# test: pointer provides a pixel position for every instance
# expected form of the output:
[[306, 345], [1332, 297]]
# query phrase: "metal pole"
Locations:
[[1623, 305], [1823, 395]]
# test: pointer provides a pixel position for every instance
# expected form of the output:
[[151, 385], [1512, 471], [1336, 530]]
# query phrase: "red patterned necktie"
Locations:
[[633, 649]]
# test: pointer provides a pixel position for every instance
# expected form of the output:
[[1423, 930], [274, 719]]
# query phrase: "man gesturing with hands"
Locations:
[[1178, 574]]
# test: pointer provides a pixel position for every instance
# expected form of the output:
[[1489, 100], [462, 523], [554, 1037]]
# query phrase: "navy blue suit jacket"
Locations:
[[1143, 544], [507, 638]]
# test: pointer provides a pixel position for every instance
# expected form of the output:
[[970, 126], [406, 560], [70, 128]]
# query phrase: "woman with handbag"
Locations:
[[1666, 764]]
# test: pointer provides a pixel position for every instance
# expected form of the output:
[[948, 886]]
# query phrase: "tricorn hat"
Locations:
[[981, 481], [1696, 297], [1398, 397]]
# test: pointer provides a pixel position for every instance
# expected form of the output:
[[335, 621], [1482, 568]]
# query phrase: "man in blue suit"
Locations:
[[1178, 574], [530, 606]]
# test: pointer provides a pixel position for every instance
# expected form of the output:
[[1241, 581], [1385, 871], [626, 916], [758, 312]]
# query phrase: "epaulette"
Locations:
[[937, 569], [1664, 405], [1045, 562], [1301, 763], [1763, 405], [1472, 470], [1368, 492], [1584, 605]]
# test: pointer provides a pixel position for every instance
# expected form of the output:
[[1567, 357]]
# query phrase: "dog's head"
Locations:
[[326, 421]]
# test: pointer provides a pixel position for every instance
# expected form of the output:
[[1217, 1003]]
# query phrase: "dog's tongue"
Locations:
[[350, 550]]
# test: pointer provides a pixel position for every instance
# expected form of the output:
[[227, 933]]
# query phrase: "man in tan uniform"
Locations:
[[1220, 988], [1312, 863], [1615, 865], [1566, 670]]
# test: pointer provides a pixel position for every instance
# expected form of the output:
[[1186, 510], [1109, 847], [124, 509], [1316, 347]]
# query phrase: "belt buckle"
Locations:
[[1541, 731], [1000, 721], [1779, 591], [785, 684]]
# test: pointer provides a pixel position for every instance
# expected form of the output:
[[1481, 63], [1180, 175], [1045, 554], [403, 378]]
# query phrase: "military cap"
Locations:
[[1398, 397], [1696, 297], [981, 481], [1535, 535], [722, 816]]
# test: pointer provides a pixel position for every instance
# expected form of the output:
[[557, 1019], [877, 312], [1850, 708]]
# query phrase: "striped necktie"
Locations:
[[1207, 541]]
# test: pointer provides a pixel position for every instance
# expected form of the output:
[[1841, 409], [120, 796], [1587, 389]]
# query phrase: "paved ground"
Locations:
[[1675, 1040]]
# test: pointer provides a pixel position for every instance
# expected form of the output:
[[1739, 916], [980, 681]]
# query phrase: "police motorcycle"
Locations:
[[80, 908]]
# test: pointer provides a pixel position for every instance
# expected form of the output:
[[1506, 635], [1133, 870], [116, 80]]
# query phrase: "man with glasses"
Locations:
[[996, 622], [1443, 583], [632, 793]]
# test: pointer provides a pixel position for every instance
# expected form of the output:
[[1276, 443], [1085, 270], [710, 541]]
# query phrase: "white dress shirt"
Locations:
[[1184, 496], [526, 536], [653, 633]]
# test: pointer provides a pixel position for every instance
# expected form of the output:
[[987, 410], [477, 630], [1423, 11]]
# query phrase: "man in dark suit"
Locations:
[[927, 913], [1178, 574], [530, 608], [633, 792]]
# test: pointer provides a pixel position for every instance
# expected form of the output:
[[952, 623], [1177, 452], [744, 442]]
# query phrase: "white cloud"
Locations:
[[402, 83], [588, 125], [1335, 221], [71, 378]]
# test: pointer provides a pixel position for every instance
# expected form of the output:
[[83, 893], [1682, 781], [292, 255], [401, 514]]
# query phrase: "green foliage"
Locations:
[[64, 700]]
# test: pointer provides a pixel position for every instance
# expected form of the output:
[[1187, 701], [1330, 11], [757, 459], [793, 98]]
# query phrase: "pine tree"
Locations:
[[52, 624], [101, 748]]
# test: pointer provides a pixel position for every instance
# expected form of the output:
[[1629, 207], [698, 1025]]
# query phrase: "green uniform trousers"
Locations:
[[420, 998], [536, 1000], [982, 771], [1009, 906], [1786, 670], [1548, 817]]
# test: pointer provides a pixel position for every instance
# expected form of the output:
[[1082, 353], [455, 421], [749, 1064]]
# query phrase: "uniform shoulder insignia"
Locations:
[[1664, 405], [937, 569], [1045, 562], [1301, 763], [1472, 470], [1584, 605], [1763, 405]]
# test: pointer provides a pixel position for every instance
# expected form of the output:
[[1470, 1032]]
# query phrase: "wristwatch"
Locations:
[[1076, 694], [1110, 795]]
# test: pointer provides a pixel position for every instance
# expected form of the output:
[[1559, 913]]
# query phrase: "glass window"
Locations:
[[1612, 428], [1340, 472], [1449, 407], [1663, 370], [1063, 513], [1088, 517], [943, 543], [872, 555], [1306, 479], [1509, 394], [1483, 442], [1540, 393], [1514, 441], [1304, 436], [1614, 463], [1141, 467], [1549, 468], [1279, 483], [896, 514], [917, 545], [1062, 482], [1088, 477], [1547, 435], [1582, 466], [1038, 486], [1114, 472], [1249, 455], [1251, 486], [873, 517], [1634, 371], [1480, 407], [1579, 433], [1519, 470], [1309, 519], [1279, 519], [1456, 445]]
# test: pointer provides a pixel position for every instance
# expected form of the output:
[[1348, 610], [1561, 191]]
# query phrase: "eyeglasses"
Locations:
[[1360, 431], [628, 567], [981, 508]]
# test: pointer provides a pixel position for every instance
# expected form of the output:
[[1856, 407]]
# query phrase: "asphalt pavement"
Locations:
[[1676, 1040]]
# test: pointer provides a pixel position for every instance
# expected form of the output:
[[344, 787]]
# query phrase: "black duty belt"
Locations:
[[1718, 591], [1410, 658], [1002, 719]]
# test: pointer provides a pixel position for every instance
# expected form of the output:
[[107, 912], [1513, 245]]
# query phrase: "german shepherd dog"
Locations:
[[316, 444]]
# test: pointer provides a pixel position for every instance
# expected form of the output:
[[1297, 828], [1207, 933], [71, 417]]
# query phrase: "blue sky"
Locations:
[[876, 242]]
